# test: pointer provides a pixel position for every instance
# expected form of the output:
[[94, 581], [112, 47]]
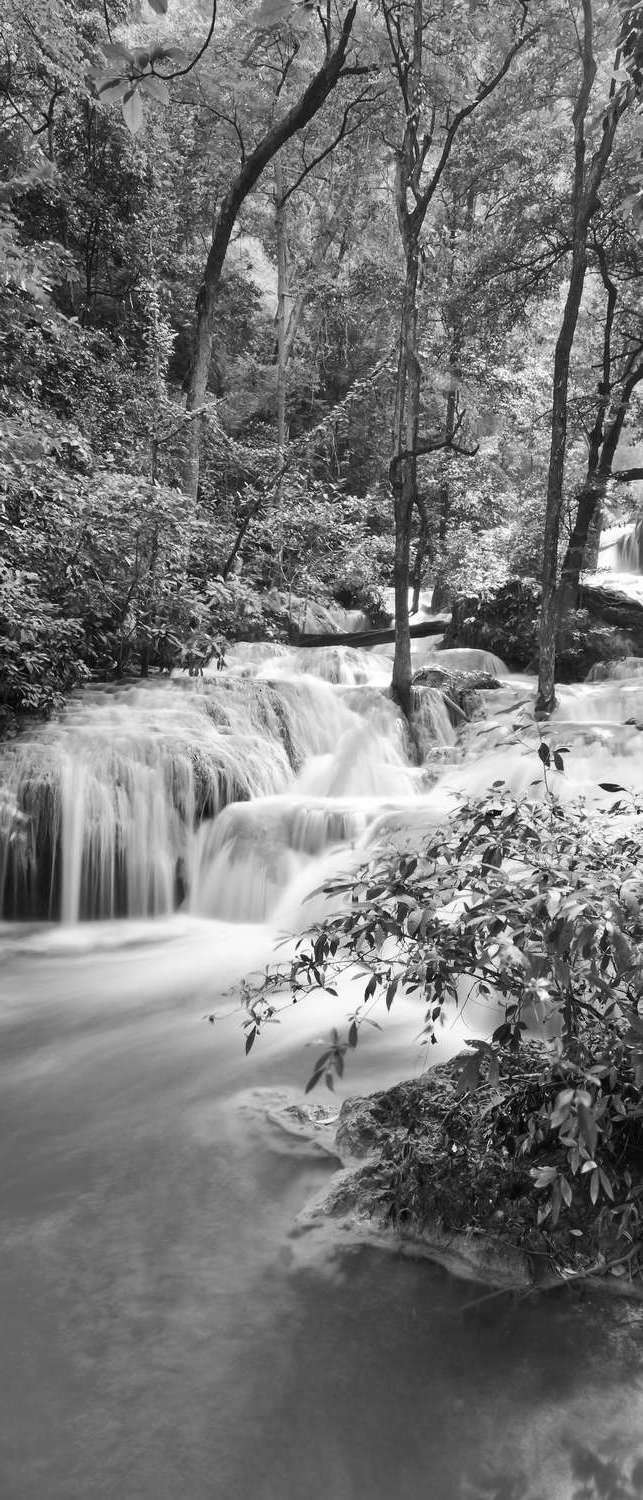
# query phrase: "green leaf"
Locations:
[[544, 754], [543, 1176], [160, 6], [250, 1039], [391, 992], [155, 88], [133, 111], [469, 1076], [566, 1192], [588, 1127]]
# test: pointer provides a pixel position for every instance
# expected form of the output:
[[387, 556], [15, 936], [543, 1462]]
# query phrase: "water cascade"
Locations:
[[148, 1200], [109, 797], [620, 560]]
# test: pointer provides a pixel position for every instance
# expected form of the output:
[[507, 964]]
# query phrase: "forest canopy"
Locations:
[[305, 300]]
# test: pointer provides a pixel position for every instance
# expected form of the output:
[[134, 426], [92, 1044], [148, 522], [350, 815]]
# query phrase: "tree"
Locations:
[[421, 159], [587, 177], [324, 80], [615, 253]]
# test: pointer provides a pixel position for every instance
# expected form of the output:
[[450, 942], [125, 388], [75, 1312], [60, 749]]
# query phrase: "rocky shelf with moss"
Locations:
[[431, 1171]]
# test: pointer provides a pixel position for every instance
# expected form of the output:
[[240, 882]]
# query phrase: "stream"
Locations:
[[165, 1331]]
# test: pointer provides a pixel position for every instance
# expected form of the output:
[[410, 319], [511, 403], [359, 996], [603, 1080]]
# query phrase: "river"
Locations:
[[165, 1331]]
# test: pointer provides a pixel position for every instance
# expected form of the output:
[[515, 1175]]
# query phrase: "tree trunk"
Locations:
[[590, 503], [403, 473], [282, 293], [304, 110], [585, 202], [420, 555], [546, 700]]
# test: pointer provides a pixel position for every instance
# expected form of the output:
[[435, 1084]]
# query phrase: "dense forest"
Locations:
[[317, 308], [300, 302]]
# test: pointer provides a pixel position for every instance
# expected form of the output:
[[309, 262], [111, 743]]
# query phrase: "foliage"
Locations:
[[503, 620], [537, 910], [120, 140]]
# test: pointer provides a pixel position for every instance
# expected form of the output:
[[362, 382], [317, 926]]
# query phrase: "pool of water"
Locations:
[[164, 1333]]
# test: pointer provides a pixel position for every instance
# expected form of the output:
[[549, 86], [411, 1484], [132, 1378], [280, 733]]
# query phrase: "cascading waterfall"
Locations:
[[621, 559], [107, 799], [621, 549], [218, 793]]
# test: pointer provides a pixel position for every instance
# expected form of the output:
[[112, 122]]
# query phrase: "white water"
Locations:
[[621, 559], [164, 1335]]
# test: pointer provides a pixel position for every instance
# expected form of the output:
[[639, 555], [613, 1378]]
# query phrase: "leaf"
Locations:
[[544, 754], [566, 1192], [611, 786], [492, 857], [352, 1034], [588, 1127], [469, 1076], [606, 1184], [159, 6], [543, 1176], [594, 1186], [250, 1039], [390, 993], [156, 88], [133, 111], [116, 52], [558, 761], [313, 1081]]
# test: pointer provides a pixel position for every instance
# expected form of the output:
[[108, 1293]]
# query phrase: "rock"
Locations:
[[608, 626], [615, 671]]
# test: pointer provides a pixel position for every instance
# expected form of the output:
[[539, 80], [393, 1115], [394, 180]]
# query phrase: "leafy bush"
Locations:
[[503, 620], [539, 911]]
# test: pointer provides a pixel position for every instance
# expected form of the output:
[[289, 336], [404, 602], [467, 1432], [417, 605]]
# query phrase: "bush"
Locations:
[[538, 909], [504, 621]]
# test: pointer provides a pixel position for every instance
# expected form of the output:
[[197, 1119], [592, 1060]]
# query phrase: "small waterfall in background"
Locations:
[[621, 556]]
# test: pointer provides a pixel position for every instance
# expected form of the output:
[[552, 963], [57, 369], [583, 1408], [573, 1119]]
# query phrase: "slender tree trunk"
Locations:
[[404, 475], [589, 501], [304, 110], [546, 699], [421, 552], [585, 201], [282, 293]]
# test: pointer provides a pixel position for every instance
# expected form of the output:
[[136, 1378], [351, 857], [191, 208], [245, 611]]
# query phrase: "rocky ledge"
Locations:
[[421, 1174]]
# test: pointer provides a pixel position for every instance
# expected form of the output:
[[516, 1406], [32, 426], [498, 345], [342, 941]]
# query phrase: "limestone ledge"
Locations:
[[354, 1206]]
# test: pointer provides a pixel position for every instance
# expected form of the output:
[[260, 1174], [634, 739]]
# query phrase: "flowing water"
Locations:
[[165, 1333]]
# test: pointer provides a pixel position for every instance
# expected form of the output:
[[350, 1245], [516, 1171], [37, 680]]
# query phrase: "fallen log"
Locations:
[[435, 626]]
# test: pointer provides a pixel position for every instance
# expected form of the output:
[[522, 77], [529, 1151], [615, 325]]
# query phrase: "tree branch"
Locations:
[[625, 476]]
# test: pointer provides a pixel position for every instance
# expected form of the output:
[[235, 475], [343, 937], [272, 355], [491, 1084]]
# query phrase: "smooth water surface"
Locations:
[[165, 1335]]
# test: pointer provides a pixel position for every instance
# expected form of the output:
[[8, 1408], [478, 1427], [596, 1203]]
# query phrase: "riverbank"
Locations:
[[428, 1170]]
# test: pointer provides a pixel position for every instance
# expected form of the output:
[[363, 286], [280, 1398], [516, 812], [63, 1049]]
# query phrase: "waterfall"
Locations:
[[218, 794], [621, 559], [107, 798], [621, 549]]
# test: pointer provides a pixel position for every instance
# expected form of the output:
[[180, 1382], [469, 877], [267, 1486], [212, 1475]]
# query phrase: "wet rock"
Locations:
[[460, 690], [615, 671]]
